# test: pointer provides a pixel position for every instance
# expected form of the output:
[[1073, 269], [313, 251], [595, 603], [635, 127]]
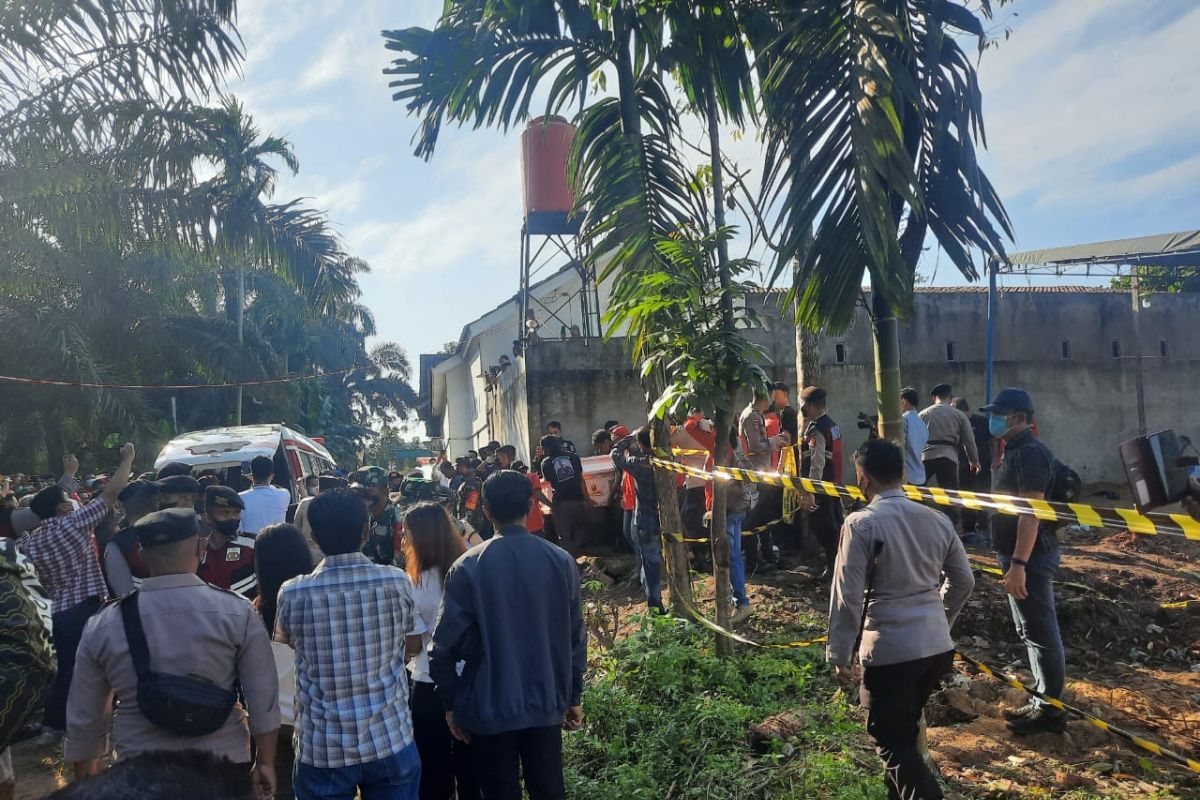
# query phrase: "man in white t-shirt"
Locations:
[[265, 504]]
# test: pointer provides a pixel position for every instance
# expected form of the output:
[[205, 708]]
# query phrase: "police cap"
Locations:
[[222, 497], [179, 484], [166, 527], [173, 468], [137, 491]]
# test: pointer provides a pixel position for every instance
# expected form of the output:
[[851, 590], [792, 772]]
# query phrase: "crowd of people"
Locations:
[[409, 636]]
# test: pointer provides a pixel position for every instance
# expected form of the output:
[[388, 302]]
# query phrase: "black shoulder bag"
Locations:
[[184, 706], [868, 595]]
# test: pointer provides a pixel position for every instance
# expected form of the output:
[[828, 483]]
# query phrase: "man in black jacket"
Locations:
[[511, 610]]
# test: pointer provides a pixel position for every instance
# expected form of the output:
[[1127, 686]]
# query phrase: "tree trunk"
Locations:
[[886, 332], [808, 358], [679, 579], [671, 523], [720, 541]]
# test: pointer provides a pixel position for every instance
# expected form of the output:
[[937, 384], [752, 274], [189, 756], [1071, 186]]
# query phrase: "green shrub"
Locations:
[[665, 716]]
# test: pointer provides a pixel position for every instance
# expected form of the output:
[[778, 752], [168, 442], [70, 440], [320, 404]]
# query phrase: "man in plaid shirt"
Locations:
[[348, 622], [63, 551]]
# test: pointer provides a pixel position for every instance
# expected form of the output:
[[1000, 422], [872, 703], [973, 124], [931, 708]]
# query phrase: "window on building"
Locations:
[[1162, 348], [1116, 348], [839, 352], [950, 354], [1066, 348]]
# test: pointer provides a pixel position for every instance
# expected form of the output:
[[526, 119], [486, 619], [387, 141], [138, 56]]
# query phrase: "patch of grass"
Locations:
[[667, 718]]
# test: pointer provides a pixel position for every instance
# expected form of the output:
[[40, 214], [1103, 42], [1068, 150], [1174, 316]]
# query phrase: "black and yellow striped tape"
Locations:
[[1081, 513], [1145, 744]]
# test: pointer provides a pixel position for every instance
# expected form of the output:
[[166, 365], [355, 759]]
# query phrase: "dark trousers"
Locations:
[[826, 525], [1036, 618], [945, 472], [445, 761], [769, 508], [691, 512], [570, 523], [894, 696], [67, 629], [974, 521], [500, 760], [285, 762]]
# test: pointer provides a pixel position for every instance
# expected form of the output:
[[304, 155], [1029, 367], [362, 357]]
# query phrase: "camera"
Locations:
[[869, 423]]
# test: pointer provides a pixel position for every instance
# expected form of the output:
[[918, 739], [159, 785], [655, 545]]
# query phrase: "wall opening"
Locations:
[[950, 354], [1116, 348], [1162, 348], [839, 352], [1066, 348]]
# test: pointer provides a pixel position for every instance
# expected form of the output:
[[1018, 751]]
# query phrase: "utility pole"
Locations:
[[240, 319], [1135, 283]]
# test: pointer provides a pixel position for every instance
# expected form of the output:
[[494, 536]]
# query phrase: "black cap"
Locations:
[[179, 484], [814, 394], [1010, 401], [174, 468], [166, 526], [222, 497], [137, 491]]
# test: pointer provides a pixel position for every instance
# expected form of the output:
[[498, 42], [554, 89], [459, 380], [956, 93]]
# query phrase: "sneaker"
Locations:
[[1020, 712], [1041, 720], [741, 615]]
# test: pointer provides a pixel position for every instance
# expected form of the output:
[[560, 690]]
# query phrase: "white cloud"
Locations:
[[474, 218], [1080, 90]]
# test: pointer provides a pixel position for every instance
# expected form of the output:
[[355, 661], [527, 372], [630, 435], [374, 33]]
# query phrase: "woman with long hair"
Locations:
[[280, 554], [432, 543]]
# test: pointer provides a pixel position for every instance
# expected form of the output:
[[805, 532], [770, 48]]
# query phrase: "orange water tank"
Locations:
[[545, 145]]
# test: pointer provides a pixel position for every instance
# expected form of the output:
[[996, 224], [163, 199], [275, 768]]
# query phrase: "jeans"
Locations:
[[67, 630], [1037, 620], [445, 761], [894, 696], [649, 550], [397, 777], [500, 759], [627, 528], [737, 565]]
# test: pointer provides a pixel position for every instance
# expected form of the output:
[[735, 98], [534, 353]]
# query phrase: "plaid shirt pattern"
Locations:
[[347, 622], [63, 550]]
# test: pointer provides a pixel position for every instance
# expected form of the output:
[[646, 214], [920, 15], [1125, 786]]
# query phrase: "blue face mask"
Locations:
[[997, 425]]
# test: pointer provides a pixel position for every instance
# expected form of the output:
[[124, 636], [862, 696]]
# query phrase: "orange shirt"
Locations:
[[535, 522], [628, 492]]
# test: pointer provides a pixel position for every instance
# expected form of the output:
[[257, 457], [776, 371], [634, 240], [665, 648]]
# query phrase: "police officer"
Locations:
[[178, 491], [124, 567], [229, 558], [821, 460], [191, 630], [371, 483]]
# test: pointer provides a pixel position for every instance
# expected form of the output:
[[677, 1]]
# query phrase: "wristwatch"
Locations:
[[1022, 562]]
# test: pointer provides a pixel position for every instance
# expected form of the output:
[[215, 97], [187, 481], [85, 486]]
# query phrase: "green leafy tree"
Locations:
[[871, 114]]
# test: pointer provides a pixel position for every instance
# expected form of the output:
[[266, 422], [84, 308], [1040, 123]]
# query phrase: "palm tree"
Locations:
[[871, 114], [483, 64]]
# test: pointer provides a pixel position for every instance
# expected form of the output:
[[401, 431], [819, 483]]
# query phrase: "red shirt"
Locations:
[[628, 492], [535, 522], [231, 567]]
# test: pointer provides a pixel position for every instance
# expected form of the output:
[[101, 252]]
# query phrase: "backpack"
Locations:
[[1065, 486], [29, 664]]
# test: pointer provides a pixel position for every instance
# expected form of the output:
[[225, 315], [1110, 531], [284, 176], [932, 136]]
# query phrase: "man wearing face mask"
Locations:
[[1028, 553], [229, 558]]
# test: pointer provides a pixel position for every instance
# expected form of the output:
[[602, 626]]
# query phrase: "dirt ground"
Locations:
[[1130, 662]]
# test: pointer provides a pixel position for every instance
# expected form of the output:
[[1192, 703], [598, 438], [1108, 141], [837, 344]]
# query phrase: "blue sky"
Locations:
[[1092, 112]]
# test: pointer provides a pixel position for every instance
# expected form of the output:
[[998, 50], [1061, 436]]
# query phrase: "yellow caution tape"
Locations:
[[1145, 744], [1092, 516]]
